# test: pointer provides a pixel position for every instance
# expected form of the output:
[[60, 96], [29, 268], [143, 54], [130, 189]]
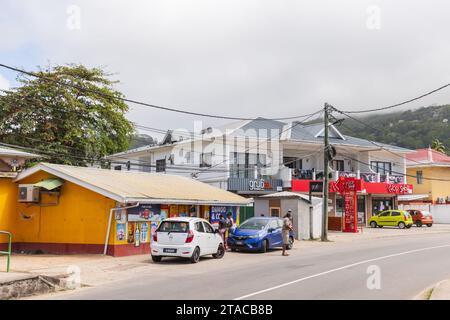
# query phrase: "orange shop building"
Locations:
[[64, 209]]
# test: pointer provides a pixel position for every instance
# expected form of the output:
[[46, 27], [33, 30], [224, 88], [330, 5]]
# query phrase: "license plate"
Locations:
[[239, 243], [167, 250]]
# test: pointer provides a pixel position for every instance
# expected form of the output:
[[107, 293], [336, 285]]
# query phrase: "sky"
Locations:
[[243, 58]]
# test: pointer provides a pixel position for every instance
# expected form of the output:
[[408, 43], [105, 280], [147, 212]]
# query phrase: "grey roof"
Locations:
[[6, 151], [289, 194], [308, 133], [259, 127]]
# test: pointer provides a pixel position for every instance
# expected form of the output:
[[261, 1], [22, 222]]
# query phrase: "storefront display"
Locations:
[[216, 211]]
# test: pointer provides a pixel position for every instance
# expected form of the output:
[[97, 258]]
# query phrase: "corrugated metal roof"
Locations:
[[142, 187], [289, 194], [309, 133], [4, 151]]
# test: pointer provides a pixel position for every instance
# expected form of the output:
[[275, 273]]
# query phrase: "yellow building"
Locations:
[[11, 161], [424, 164], [66, 209]]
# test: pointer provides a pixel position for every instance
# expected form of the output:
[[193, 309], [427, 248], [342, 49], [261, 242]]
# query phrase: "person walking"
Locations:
[[223, 229], [287, 228], [230, 225]]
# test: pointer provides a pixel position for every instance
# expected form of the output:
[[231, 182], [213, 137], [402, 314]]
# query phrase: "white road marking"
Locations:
[[338, 269]]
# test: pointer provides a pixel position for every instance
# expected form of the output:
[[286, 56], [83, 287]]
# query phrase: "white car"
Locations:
[[187, 238]]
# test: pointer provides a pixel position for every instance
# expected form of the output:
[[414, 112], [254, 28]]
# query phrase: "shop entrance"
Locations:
[[382, 203]]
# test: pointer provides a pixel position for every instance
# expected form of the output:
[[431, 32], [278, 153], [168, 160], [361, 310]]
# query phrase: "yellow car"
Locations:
[[391, 218]]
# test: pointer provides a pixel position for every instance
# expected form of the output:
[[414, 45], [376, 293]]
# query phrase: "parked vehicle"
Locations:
[[186, 237], [391, 218], [421, 217], [259, 234]]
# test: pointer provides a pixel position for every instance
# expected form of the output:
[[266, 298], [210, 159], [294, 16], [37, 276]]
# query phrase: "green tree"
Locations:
[[437, 145], [69, 124]]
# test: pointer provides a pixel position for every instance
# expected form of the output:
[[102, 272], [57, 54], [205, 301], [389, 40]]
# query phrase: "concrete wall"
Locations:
[[440, 212]]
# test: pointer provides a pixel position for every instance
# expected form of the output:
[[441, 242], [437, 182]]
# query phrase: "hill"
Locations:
[[411, 129]]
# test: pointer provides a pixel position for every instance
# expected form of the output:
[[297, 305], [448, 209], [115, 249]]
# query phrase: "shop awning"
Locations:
[[49, 184], [412, 197]]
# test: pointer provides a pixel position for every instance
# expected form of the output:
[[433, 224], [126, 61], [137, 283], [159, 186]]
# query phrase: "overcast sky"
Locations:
[[239, 58]]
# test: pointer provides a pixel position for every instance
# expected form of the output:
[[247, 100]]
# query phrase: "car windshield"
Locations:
[[254, 224], [173, 226], [426, 213]]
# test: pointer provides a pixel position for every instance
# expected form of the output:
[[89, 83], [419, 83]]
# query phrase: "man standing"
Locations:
[[223, 229], [287, 228], [230, 225]]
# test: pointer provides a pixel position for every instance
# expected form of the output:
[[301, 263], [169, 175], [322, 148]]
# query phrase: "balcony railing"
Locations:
[[365, 176]]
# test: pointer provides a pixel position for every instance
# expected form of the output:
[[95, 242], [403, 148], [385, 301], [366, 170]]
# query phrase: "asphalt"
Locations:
[[406, 266]]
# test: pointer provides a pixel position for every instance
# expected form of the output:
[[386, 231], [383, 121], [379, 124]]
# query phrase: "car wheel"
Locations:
[[220, 252], [373, 224], [419, 224], [291, 243], [264, 246], [401, 225], [156, 258], [429, 225], [380, 227], [195, 255]]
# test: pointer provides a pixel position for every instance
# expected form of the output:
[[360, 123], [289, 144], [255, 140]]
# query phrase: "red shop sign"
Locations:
[[348, 188]]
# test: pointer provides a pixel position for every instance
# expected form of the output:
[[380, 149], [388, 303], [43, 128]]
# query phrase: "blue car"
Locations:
[[258, 234]]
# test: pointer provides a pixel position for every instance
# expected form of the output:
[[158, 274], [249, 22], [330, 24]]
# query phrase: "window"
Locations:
[[274, 212], [273, 224], [395, 213], [161, 165], [293, 163], [242, 164], [206, 159], [119, 167], [419, 177], [199, 227], [338, 165], [173, 226], [208, 227], [381, 167], [385, 214]]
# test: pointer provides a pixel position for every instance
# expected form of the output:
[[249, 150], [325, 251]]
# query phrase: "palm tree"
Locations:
[[437, 146]]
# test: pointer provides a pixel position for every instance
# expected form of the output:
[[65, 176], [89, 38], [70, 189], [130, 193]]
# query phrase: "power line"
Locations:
[[401, 103], [101, 94]]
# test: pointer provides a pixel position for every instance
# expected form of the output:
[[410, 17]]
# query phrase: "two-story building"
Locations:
[[263, 156]]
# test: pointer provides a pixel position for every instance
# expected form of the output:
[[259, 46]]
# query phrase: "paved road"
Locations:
[[407, 265]]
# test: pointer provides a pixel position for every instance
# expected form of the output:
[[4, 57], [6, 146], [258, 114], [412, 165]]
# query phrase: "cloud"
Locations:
[[242, 58], [4, 83]]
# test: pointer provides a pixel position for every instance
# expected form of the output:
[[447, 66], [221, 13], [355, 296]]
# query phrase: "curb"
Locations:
[[441, 291]]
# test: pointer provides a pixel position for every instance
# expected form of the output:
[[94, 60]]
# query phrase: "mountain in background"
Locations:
[[413, 129], [140, 140]]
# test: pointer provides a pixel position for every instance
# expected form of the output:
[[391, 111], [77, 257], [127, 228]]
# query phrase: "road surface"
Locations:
[[395, 268]]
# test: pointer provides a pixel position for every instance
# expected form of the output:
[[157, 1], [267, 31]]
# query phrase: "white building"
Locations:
[[263, 156]]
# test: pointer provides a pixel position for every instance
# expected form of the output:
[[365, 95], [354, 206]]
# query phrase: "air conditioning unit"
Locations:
[[28, 193]]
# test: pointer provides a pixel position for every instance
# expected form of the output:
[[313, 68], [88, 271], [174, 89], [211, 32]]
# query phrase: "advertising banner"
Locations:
[[143, 212], [216, 211]]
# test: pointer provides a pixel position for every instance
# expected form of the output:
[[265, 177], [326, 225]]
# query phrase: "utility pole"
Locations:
[[325, 176]]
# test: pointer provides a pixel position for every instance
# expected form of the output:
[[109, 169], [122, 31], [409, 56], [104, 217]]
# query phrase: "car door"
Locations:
[[212, 238], [396, 217], [202, 238], [384, 218], [274, 233]]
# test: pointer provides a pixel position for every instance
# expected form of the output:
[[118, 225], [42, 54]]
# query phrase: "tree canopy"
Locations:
[[70, 114]]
